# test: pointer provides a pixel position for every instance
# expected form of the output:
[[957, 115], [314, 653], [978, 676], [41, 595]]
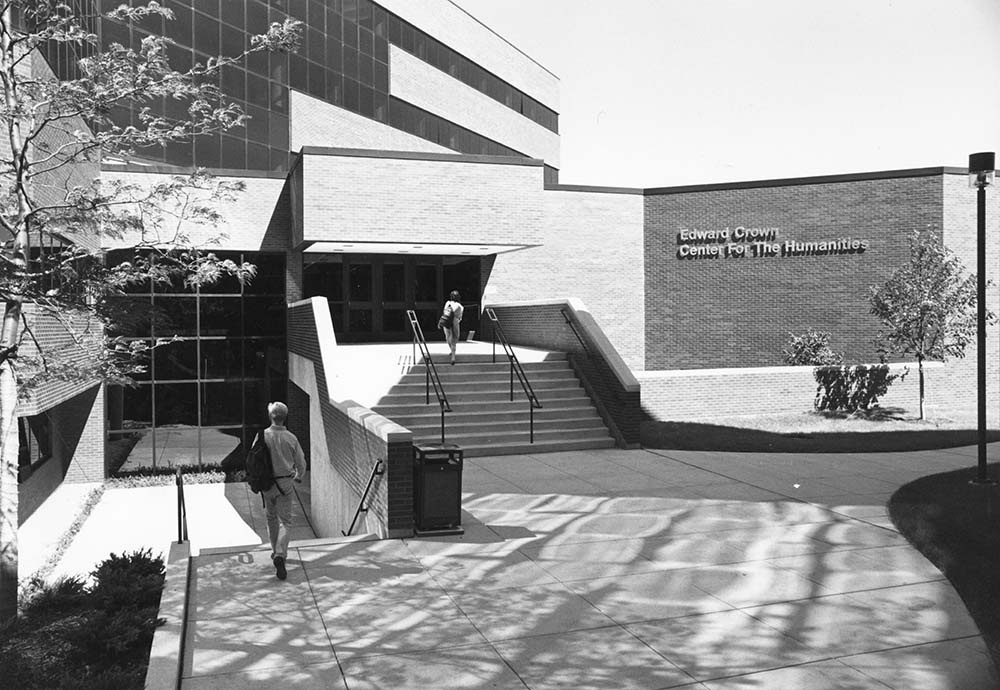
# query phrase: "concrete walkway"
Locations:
[[219, 515], [609, 569]]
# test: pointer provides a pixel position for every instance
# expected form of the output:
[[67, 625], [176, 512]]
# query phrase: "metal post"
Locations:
[[442, 425], [531, 421], [512, 382], [981, 475], [427, 383]]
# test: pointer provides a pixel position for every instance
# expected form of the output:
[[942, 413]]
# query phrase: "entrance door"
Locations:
[[370, 293], [391, 316]]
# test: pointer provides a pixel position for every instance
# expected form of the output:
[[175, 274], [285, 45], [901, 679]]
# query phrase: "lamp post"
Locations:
[[981, 174]]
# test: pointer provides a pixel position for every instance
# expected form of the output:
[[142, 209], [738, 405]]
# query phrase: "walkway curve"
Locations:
[[609, 569]]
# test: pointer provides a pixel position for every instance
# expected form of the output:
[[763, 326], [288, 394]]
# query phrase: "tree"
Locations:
[[55, 207], [927, 307]]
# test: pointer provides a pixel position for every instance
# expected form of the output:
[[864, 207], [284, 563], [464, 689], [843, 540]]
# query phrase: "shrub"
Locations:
[[65, 595], [163, 476], [71, 636], [852, 388], [132, 580], [812, 348]]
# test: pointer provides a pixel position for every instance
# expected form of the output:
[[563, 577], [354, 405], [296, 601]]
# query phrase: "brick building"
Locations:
[[408, 150]]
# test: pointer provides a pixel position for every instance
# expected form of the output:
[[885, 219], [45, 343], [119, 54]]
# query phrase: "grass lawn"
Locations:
[[956, 525], [873, 431]]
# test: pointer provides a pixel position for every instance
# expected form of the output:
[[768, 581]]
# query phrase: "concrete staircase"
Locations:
[[484, 421]]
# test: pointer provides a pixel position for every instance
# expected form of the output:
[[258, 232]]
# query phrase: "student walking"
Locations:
[[289, 465], [450, 321]]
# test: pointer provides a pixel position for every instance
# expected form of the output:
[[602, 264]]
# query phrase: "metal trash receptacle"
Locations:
[[437, 488]]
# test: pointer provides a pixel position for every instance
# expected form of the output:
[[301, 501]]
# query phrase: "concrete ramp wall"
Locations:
[[346, 439]]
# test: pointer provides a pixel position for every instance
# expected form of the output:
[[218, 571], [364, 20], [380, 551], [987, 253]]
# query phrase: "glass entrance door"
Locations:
[[370, 293]]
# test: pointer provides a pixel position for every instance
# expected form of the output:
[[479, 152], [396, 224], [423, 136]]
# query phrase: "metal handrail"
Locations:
[[431, 375], [572, 327], [362, 508], [608, 419], [515, 368], [182, 523]]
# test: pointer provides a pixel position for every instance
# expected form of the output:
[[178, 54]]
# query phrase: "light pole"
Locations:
[[981, 172]]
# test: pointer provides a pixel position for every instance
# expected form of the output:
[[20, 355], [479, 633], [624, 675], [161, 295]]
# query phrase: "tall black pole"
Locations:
[[981, 325]]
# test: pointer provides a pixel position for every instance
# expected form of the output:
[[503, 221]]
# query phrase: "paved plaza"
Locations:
[[608, 569]]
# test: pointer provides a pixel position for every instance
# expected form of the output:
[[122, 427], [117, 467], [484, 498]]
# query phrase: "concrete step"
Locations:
[[490, 376], [483, 450], [463, 367], [500, 405], [495, 437], [525, 358], [430, 415], [458, 425], [463, 386], [475, 396]]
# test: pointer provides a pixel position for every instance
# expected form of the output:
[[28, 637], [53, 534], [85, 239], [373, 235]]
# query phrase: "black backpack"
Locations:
[[259, 470]]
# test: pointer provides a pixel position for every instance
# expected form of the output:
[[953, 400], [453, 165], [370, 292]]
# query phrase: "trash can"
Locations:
[[437, 488]]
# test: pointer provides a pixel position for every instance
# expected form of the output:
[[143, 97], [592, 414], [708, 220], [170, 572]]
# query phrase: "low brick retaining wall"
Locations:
[[706, 393]]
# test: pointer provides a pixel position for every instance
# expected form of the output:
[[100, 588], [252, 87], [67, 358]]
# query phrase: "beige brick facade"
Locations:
[[476, 41], [254, 220], [416, 82], [446, 199], [591, 249], [318, 123]]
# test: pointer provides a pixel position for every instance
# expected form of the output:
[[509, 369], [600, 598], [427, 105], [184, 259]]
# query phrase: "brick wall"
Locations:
[[704, 394], [446, 199], [77, 429], [729, 312], [346, 439], [465, 34], [960, 237], [317, 123], [691, 328], [70, 339], [591, 249], [254, 220], [425, 86], [549, 325]]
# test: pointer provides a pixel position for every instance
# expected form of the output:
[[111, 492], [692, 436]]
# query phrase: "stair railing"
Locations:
[[182, 523], [362, 508], [431, 374], [601, 408], [515, 369]]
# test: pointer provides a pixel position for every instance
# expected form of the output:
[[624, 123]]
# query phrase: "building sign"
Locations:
[[744, 242]]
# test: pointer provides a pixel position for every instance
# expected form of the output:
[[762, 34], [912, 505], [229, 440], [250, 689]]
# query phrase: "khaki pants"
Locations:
[[278, 504]]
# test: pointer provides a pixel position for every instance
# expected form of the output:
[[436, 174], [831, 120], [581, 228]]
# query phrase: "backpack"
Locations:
[[447, 318], [259, 470]]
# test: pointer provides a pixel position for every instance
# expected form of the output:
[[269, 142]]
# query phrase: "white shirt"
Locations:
[[287, 457]]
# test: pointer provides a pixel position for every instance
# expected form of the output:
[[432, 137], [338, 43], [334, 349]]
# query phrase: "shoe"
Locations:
[[279, 567]]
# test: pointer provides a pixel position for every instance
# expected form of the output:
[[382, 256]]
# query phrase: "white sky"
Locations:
[[670, 92]]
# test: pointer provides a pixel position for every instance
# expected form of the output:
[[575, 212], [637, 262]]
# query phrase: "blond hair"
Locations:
[[277, 411]]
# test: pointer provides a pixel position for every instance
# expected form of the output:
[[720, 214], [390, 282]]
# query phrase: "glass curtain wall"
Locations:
[[343, 60], [205, 394]]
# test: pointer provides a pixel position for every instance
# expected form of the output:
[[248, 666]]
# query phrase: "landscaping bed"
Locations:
[[875, 430], [71, 635]]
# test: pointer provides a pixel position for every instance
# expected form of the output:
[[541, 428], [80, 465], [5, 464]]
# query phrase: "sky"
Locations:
[[669, 92]]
